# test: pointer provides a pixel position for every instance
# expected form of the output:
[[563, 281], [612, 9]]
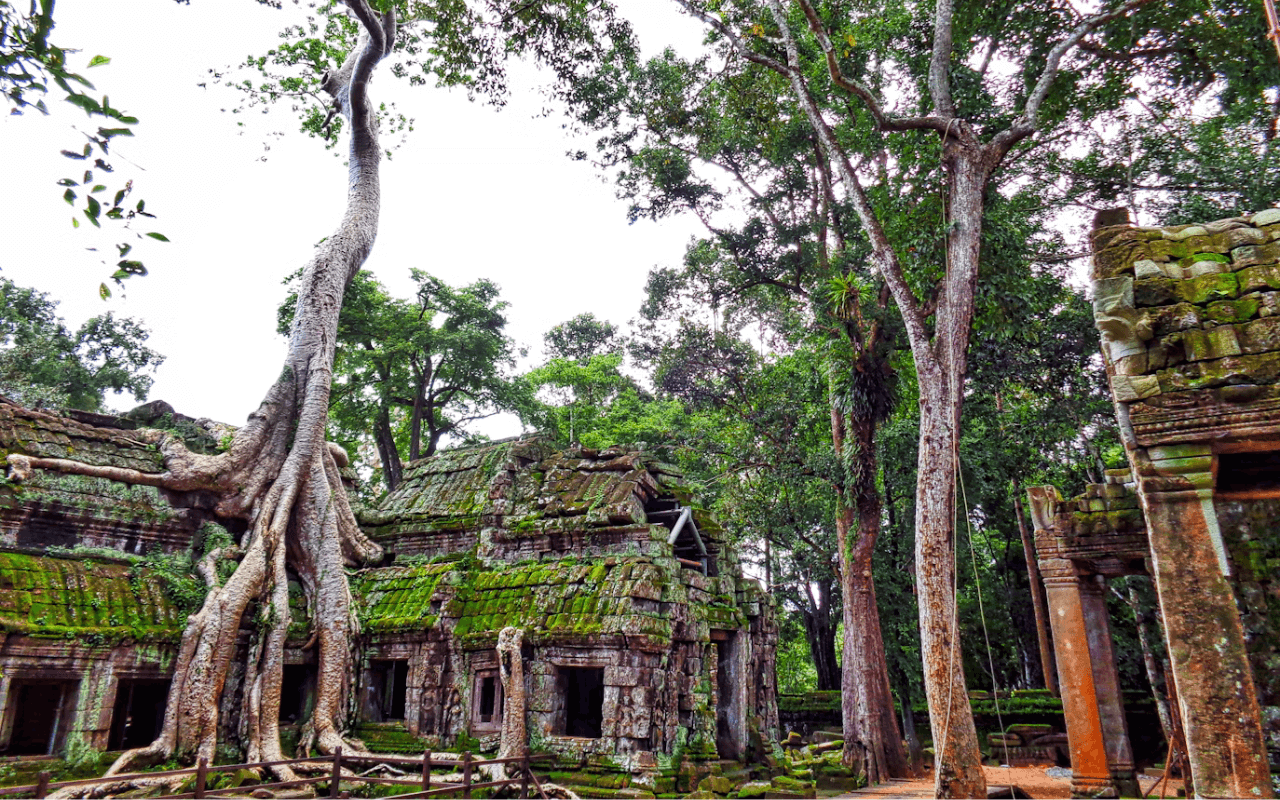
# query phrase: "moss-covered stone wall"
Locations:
[[1251, 532]]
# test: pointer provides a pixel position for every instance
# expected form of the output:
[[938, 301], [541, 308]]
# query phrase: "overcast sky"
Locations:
[[473, 193]]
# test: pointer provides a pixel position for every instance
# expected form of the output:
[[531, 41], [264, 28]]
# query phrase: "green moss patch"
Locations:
[[88, 600]]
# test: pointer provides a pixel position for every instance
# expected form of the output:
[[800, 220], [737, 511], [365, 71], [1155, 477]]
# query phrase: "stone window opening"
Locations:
[[388, 685], [39, 712], [487, 702], [138, 714], [582, 689], [1248, 475]]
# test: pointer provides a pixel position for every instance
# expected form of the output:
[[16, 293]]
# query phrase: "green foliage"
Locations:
[[448, 43], [29, 63], [408, 373], [592, 402], [176, 579], [43, 364]]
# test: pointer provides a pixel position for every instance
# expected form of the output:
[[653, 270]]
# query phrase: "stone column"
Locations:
[[1090, 773], [1106, 685], [1216, 695]]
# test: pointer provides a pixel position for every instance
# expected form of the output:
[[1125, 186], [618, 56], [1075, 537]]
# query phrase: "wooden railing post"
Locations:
[[524, 773], [466, 774], [42, 784], [202, 775], [336, 778], [426, 771]]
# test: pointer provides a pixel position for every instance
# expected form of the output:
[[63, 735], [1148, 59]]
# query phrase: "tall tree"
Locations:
[[880, 84], [416, 370], [279, 474], [42, 363], [791, 263]]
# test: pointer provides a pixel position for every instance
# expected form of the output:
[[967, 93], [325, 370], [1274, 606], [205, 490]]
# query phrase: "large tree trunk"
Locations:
[[870, 726], [821, 636], [388, 453], [940, 365], [280, 475]]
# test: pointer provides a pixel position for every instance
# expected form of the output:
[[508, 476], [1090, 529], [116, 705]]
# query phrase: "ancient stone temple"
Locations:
[[1190, 319], [642, 641]]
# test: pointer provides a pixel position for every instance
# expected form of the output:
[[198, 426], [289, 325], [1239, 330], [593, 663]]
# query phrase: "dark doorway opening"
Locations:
[[583, 701], [296, 689], [388, 682], [728, 712], [138, 714], [39, 713]]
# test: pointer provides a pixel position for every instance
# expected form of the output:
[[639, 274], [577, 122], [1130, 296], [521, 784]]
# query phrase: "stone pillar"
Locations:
[[1090, 773], [1106, 685], [1216, 695]]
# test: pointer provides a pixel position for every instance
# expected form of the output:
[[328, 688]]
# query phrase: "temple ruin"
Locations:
[[1190, 321], [642, 641]]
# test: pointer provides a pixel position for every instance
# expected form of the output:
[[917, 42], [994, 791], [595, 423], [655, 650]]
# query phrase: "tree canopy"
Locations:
[[44, 364]]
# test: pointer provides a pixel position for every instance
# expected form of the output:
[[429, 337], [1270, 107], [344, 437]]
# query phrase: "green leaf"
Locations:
[[132, 267], [98, 188], [158, 236], [70, 197], [124, 249], [67, 182], [119, 197], [103, 291], [75, 223], [88, 176], [76, 156], [107, 133], [98, 61], [141, 205], [86, 102]]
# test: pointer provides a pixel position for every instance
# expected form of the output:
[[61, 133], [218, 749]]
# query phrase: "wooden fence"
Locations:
[[423, 786]]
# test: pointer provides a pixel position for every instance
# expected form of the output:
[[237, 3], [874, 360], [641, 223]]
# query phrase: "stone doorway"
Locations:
[[388, 684], [296, 693], [583, 689], [728, 709], [39, 712], [138, 714]]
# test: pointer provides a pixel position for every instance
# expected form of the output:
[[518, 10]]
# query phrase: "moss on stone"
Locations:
[[95, 602]]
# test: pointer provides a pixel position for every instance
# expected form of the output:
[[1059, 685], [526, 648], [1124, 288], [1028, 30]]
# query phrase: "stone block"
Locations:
[[1231, 311], [1269, 216], [1260, 336], [1146, 268], [1180, 233], [1213, 343], [1155, 291], [1128, 388], [621, 676], [1241, 237], [1175, 318], [1199, 268], [1218, 286], [1261, 277], [1135, 364]]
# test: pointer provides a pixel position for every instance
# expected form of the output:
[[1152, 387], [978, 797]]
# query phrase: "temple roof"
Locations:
[[78, 598]]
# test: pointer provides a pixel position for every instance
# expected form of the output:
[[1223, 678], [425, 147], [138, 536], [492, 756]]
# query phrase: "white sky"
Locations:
[[474, 193]]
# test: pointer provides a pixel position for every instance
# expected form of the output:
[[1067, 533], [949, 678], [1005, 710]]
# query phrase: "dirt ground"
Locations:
[[1031, 780]]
